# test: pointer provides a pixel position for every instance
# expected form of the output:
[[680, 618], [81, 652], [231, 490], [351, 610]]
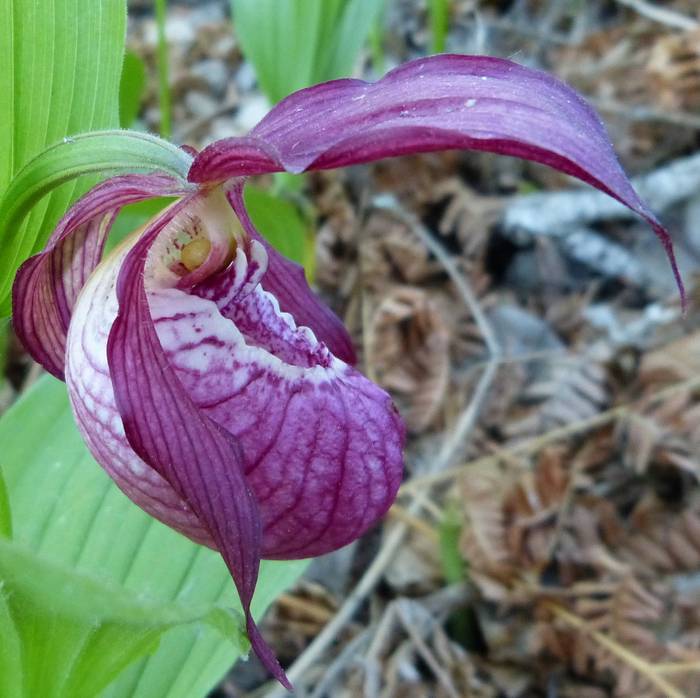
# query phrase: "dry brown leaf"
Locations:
[[408, 349]]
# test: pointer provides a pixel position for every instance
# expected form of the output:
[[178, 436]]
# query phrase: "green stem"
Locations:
[[376, 44], [162, 60], [438, 24], [4, 345]]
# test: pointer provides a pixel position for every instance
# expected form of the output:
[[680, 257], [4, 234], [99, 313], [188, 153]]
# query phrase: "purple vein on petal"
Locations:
[[47, 284], [199, 459]]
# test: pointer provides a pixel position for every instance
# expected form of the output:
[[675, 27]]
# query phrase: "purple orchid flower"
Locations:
[[205, 376]]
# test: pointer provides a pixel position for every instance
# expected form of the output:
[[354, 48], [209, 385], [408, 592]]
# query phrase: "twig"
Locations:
[[661, 14], [605, 256], [367, 583], [341, 662], [468, 418], [371, 660], [641, 666], [399, 513], [677, 667], [404, 612]]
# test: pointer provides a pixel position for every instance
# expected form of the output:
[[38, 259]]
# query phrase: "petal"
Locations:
[[286, 281], [199, 459], [47, 284], [94, 406], [436, 103]]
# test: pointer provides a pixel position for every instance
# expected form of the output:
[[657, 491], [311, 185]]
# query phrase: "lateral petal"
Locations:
[[47, 284], [199, 459]]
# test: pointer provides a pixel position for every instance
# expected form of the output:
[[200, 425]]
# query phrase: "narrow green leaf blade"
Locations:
[[5, 511], [78, 519], [296, 43], [439, 24], [77, 633], [61, 62]]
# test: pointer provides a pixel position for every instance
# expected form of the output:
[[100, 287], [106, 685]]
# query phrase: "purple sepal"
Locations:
[[436, 103], [47, 284], [286, 281], [199, 459]]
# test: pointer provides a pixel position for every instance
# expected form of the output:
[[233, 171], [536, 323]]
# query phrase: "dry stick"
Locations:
[[345, 658], [395, 537], [640, 665], [661, 15], [399, 513], [677, 667], [533, 445], [423, 649], [372, 668]]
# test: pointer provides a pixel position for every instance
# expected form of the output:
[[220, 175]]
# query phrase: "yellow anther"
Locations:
[[195, 253]]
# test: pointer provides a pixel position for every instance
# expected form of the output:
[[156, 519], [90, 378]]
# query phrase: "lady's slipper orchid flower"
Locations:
[[205, 377]]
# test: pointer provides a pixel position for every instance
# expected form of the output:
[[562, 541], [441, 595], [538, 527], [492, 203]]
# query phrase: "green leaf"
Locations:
[[451, 558], [105, 152], [296, 43], [132, 217], [61, 63], [164, 101], [69, 514], [4, 346], [282, 225], [131, 88], [76, 634]]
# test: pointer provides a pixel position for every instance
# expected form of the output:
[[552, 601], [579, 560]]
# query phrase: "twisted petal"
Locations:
[[47, 284], [447, 101]]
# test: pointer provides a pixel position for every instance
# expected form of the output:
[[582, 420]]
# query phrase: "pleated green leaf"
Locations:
[[60, 68], [73, 524], [296, 43], [75, 634]]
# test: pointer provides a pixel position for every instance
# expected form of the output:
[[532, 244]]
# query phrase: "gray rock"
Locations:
[[214, 73], [200, 104]]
